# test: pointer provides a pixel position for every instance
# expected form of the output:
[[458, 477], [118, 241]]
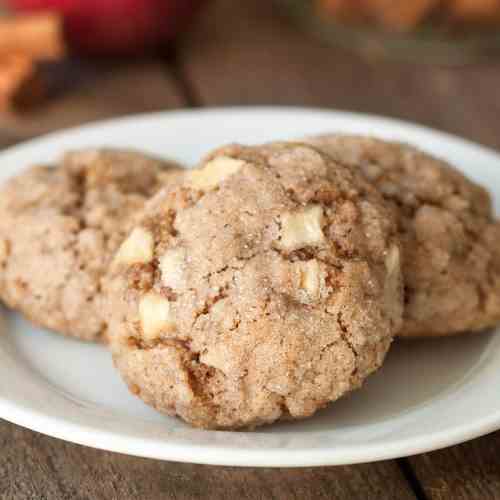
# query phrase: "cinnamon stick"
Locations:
[[39, 36], [15, 71]]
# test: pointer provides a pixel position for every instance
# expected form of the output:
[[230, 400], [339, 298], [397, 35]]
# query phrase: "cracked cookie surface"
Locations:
[[59, 228], [264, 287], [451, 251]]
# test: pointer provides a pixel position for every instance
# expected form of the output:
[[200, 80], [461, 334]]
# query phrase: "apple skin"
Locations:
[[116, 27]]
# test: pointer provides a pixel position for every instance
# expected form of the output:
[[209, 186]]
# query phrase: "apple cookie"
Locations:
[[451, 251], [265, 286], [59, 228]]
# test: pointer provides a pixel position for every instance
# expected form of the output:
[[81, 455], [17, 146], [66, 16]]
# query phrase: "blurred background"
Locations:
[[64, 62]]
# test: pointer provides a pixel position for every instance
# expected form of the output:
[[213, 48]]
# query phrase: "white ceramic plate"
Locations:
[[429, 394]]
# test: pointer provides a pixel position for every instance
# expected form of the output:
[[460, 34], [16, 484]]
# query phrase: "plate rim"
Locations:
[[250, 109], [209, 455]]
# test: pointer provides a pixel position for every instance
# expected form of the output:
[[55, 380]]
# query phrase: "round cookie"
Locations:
[[264, 287], [59, 228], [451, 251]]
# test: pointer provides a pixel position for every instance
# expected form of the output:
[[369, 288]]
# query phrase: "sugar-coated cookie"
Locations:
[[265, 286], [59, 228]]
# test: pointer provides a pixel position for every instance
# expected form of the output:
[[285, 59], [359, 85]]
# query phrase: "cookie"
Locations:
[[59, 228], [451, 251], [264, 287]]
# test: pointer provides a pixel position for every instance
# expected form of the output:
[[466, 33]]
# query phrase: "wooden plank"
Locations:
[[250, 53], [36, 466], [470, 471], [87, 91]]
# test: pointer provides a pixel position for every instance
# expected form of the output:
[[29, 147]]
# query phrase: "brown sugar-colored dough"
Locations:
[[60, 226], [264, 287], [451, 241]]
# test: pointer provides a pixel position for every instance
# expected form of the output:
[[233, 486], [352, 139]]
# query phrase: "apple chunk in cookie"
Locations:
[[59, 229], [274, 288]]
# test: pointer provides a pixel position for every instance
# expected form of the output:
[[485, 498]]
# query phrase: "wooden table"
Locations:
[[248, 53]]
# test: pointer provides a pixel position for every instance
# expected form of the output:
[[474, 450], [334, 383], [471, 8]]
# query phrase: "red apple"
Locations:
[[116, 26]]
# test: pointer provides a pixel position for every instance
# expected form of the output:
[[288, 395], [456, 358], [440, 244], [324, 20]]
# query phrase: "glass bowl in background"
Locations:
[[427, 42]]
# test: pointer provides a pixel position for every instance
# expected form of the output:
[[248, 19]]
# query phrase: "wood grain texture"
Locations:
[[470, 471], [33, 466], [250, 53], [87, 91]]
